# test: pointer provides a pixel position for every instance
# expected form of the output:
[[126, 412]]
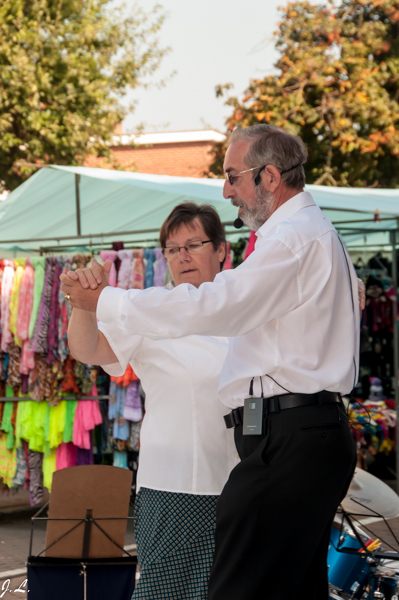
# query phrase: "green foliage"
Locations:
[[336, 86], [64, 65]]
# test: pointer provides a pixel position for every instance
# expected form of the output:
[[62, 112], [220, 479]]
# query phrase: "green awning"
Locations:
[[130, 207]]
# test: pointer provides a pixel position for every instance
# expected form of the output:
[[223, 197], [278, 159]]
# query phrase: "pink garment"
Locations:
[[160, 267], [27, 358], [228, 263], [112, 256], [6, 288], [87, 416], [125, 273], [65, 456], [251, 245], [138, 270], [25, 304], [25, 301]]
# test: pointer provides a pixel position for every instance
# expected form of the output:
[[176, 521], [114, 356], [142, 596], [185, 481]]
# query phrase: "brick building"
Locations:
[[182, 153]]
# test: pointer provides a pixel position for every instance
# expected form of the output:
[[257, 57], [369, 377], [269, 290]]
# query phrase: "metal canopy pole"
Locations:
[[395, 349], [77, 194]]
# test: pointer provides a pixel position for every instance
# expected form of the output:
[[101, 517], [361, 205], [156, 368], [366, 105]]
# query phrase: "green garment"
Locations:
[[39, 265], [22, 417], [6, 424], [36, 426], [69, 418]]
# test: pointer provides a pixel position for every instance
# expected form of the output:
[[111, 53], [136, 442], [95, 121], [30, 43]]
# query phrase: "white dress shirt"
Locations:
[[184, 444], [291, 307]]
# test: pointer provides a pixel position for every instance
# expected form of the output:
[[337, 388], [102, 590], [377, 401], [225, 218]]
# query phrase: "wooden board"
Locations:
[[103, 489]]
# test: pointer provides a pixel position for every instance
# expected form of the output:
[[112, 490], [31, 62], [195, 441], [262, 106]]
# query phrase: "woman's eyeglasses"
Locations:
[[192, 248]]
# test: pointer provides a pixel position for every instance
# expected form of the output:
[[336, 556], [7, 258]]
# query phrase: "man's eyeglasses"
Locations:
[[231, 176], [191, 248]]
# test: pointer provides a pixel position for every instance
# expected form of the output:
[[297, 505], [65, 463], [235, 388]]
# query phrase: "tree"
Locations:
[[337, 86], [64, 66]]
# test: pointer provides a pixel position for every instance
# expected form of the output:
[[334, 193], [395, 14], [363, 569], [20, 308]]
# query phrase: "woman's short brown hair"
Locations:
[[185, 214]]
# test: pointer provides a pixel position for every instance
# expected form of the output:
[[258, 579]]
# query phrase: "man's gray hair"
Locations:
[[274, 146]]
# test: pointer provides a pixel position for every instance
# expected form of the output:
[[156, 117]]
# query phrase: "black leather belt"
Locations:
[[277, 403]]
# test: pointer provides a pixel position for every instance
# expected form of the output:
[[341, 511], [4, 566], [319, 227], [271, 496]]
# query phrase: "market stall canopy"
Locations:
[[61, 207]]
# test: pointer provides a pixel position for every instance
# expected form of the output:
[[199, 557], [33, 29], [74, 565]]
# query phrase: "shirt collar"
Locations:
[[286, 210]]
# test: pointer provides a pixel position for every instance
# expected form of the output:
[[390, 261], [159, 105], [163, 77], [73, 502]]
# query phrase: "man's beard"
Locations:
[[255, 216]]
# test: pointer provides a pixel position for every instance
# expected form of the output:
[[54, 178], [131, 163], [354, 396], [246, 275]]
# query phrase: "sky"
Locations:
[[213, 42]]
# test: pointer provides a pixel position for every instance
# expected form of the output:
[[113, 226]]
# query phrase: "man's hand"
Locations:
[[85, 285]]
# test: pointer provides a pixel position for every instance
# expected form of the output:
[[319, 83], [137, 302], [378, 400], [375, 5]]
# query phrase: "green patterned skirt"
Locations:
[[175, 536]]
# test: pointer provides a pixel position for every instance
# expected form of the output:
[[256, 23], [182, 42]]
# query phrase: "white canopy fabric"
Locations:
[[42, 212]]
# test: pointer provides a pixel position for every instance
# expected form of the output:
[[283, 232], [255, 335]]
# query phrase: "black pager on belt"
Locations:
[[253, 413]]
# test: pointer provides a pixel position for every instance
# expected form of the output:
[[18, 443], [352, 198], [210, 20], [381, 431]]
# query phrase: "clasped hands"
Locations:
[[84, 286]]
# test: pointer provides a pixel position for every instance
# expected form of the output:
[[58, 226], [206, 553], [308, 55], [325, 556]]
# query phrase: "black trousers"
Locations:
[[274, 515]]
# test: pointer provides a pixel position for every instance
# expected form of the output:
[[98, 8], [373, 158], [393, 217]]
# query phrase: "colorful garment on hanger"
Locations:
[[120, 460], [14, 367], [25, 302], [121, 429], [36, 426], [132, 410], [8, 461], [36, 491], [57, 415], [7, 426], [149, 256], [21, 469], [27, 362], [80, 261], [66, 456], [39, 265], [127, 378], [39, 341], [54, 310], [14, 300], [133, 443], [87, 416], [84, 457], [160, 268], [69, 384], [125, 273], [6, 288], [111, 255], [45, 379], [49, 462], [138, 270], [69, 419], [65, 315]]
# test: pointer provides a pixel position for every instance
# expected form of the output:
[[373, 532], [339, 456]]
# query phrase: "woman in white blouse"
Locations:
[[186, 452]]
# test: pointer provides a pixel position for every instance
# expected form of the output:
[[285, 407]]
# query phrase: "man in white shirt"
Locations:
[[290, 310]]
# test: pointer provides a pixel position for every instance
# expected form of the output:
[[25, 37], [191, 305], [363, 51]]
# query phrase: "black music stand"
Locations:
[[83, 558]]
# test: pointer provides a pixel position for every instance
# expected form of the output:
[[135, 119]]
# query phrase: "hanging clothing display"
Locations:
[[46, 432]]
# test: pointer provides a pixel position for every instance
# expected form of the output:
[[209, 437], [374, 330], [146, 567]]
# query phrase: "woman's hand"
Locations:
[[91, 277], [84, 286]]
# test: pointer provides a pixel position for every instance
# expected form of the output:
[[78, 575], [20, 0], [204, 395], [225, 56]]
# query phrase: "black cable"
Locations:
[[279, 384]]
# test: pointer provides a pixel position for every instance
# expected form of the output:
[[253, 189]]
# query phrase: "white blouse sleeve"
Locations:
[[124, 344]]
